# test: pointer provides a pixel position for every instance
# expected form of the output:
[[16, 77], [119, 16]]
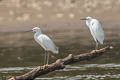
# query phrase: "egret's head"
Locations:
[[35, 29], [88, 18]]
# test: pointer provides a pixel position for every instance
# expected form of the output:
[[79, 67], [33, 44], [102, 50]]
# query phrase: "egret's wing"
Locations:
[[97, 31], [48, 43]]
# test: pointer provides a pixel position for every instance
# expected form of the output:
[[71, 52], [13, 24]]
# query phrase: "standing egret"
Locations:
[[95, 29], [46, 43]]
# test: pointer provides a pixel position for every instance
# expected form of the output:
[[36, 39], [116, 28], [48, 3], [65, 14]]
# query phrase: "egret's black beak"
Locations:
[[28, 31], [83, 19]]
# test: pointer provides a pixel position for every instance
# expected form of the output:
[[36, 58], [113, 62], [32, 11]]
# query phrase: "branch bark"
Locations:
[[60, 64]]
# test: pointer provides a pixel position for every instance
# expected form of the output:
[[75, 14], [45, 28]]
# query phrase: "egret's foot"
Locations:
[[45, 66], [94, 51]]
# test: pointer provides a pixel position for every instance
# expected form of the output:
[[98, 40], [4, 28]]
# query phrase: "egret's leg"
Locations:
[[96, 47], [47, 57]]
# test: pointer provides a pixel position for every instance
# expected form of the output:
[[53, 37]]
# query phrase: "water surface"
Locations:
[[18, 60]]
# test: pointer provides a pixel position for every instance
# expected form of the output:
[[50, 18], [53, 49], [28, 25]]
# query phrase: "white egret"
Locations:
[[95, 29], [46, 43]]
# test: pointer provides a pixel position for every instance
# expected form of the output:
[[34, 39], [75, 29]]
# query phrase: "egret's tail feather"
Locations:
[[101, 42], [56, 50]]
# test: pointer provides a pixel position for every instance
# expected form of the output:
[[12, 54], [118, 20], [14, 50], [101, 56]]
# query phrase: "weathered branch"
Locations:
[[60, 64]]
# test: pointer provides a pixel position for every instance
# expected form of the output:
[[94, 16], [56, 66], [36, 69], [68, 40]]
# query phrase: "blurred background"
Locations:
[[60, 20]]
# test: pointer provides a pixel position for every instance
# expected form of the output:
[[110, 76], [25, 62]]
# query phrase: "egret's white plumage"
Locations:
[[46, 43], [95, 29]]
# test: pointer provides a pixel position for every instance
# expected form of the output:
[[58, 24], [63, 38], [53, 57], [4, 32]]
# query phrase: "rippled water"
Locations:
[[18, 60], [79, 72]]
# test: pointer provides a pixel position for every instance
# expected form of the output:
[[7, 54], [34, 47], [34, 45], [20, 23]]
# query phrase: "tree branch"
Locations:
[[60, 64]]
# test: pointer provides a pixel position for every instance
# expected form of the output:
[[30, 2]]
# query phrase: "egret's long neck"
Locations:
[[38, 32], [88, 22]]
